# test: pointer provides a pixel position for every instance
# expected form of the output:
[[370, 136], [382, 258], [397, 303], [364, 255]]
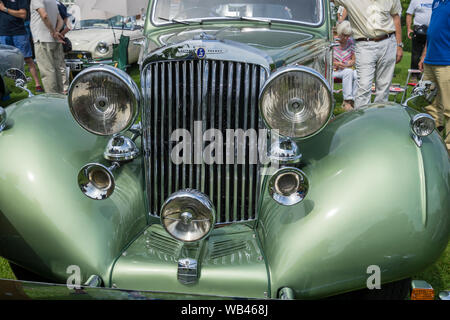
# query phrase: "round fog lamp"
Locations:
[[188, 215], [288, 186], [423, 124], [104, 100]]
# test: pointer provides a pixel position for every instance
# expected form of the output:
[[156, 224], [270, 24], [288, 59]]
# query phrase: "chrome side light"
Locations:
[[188, 215], [104, 100], [423, 124], [297, 101], [97, 181], [285, 151], [288, 186], [121, 148], [2, 119]]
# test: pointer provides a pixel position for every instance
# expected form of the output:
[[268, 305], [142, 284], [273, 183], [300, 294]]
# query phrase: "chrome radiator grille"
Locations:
[[222, 95]]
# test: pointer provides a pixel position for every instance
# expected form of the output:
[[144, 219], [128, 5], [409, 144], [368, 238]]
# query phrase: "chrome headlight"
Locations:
[[102, 47], [188, 215], [297, 101], [104, 100], [423, 124]]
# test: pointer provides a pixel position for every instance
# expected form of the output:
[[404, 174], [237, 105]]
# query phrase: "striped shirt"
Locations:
[[344, 55]]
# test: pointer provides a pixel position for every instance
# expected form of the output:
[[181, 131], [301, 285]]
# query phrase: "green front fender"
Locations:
[[46, 223], [375, 198]]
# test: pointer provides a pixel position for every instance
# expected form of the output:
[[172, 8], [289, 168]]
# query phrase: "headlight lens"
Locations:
[[102, 47], [423, 124], [296, 101], [188, 215], [104, 100]]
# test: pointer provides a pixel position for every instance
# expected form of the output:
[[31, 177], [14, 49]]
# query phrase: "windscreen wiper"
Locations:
[[256, 19]]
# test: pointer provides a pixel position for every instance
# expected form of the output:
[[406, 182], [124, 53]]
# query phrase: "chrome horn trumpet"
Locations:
[[97, 181]]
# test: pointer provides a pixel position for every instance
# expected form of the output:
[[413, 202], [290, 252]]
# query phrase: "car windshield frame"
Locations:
[[237, 18]]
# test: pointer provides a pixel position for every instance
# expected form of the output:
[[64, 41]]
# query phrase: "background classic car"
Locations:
[[93, 40], [359, 191], [10, 57]]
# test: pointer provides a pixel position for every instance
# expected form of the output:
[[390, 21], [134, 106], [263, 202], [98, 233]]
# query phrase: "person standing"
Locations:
[[421, 10], [63, 68], [435, 64], [45, 23], [378, 34], [13, 32]]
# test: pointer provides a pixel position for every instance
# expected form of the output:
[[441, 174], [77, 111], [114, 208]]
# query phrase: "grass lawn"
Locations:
[[438, 275]]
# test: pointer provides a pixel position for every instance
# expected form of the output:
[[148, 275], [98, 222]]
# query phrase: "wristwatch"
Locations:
[[6, 10], [400, 45]]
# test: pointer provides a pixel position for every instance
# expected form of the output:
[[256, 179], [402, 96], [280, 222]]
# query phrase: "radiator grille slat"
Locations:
[[222, 95]]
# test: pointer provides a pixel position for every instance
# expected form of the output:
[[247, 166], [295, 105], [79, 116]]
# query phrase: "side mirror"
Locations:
[[16, 79], [422, 95]]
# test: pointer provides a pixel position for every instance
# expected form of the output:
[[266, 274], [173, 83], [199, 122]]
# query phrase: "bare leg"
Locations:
[[33, 71]]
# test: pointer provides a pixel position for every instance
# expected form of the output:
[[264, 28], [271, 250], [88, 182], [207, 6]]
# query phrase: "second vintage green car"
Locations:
[[236, 181]]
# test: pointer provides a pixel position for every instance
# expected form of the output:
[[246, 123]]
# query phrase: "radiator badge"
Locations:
[[201, 53]]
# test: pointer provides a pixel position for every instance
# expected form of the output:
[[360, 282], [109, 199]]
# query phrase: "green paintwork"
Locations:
[[369, 203], [46, 223], [231, 264]]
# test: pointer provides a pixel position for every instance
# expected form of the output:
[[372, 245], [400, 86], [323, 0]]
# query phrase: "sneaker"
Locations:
[[39, 89]]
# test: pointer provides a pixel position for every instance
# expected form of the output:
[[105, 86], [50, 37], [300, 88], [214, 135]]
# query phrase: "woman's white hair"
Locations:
[[344, 28]]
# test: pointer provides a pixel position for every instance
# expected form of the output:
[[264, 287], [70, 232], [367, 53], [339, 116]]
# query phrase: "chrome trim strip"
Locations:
[[184, 185], [212, 125], [236, 125], [163, 102], [220, 166], [204, 113], [155, 130], [170, 91], [252, 125], [177, 119]]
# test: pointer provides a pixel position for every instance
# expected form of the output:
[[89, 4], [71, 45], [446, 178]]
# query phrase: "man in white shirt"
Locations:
[[378, 33], [421, 10], [45, 23]]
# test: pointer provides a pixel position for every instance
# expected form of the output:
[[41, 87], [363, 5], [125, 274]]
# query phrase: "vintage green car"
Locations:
[[226, 174]]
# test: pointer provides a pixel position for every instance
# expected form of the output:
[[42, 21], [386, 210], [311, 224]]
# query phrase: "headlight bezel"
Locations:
[[281, 73], [122, 77]]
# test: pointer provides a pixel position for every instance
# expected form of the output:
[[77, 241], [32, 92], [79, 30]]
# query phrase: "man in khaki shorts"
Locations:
[[435, 64], [377, 30], [45, 21]]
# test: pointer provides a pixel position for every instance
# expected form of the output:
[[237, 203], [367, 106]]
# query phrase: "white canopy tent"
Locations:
[[121, 7], [87, 10]]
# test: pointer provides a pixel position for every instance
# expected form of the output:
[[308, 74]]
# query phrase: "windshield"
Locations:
[[117, 22], [303, 11]]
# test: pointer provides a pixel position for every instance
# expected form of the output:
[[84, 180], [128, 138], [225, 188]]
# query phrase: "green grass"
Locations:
[[438, 274], [5, 270]]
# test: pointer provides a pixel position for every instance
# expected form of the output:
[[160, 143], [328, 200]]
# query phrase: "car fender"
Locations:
[[46, 223], [376, 200]]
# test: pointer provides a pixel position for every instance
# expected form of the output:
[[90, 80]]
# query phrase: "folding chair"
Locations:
[[412, 84]]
